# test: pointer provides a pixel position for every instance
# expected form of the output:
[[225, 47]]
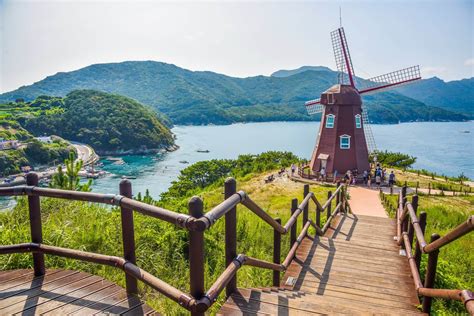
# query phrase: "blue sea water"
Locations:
[[443, 147]]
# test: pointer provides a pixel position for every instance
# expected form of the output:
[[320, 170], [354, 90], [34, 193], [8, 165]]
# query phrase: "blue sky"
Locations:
[[41, 38]]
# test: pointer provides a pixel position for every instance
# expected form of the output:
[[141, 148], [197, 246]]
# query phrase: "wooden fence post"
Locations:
[[318, 218], [430, 274], [294, 206], [196, 253], [306, 208], [34, 207], [429, 188], [411, 230], [128, 236], [230, 188], [422, 220], [328, 214], [339, 194], [276, 253], [417, 185]]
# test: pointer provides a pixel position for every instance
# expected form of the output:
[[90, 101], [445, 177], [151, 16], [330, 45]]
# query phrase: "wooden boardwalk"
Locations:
[[64, 292], [355, 269]]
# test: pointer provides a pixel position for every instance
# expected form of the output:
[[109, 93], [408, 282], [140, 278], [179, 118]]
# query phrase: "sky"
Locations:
[[239, 38]]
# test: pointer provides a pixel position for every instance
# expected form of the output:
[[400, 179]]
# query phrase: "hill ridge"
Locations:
[[205, 97]]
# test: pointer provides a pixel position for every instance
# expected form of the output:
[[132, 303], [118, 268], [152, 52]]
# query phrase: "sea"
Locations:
[[444, 147]]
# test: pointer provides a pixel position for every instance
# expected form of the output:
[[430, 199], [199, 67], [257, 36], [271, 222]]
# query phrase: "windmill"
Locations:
[[345, 137]]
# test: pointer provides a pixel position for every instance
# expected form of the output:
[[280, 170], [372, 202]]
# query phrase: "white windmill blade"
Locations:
[[391, 80], [343, 57], [369, 136], [314, 106]]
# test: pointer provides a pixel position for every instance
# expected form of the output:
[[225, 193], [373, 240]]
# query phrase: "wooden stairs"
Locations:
[[355, 269]]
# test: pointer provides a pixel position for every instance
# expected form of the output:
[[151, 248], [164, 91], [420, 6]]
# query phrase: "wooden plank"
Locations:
[[76, 297], [31, 305], [403, 290], [87, 300], [121, 306], [22, 279], [101, 304], [250, 306], [311, 303], [140, 310], [8, 275], [50, 282]]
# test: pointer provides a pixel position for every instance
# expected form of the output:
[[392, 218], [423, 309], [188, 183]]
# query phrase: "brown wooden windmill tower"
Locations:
[[345, 138]]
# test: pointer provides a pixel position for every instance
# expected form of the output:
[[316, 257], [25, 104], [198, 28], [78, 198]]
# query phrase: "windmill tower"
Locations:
[[345, 138]]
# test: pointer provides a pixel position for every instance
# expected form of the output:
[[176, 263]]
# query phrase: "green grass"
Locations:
[[456, 260], [161, 248]]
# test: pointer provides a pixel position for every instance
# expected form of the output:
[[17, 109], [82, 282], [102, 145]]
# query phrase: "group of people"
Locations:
[[379, 176]]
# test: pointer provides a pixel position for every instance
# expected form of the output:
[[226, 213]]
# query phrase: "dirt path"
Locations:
[[366, 202]]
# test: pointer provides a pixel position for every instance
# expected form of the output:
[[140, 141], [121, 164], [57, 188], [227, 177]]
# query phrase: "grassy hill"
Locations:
[[203, 97], [107, 122]]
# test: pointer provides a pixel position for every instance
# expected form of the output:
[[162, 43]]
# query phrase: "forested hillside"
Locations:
[[107, 122], [203, 97], [456, 96]]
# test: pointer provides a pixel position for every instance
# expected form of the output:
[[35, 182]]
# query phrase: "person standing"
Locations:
[[378, 179], [366, 177], [335, 176], [323, 174], [391, 179], [293, 169]]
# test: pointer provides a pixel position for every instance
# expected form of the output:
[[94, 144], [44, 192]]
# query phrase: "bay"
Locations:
[[443, 147]]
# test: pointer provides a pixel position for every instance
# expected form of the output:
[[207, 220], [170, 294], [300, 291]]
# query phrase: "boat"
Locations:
[[183, 161], [129, 177], [202, 151]]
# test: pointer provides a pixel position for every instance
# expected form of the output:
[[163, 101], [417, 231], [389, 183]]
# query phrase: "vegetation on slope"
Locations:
[[456, 96], [35, 153], [107, 122], [455, 262], [203, 97], [162, 248]]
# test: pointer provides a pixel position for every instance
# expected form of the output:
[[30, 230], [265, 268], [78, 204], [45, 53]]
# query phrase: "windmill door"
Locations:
[[324, 161]]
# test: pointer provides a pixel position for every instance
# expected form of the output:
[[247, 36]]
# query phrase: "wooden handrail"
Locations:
[[459, 231], [406, 209], [196, 223]]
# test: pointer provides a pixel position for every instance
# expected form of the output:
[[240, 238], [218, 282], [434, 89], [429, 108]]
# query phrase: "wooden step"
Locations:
[[255, 301]]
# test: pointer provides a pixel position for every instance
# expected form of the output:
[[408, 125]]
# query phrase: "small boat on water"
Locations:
[[129, 177], [202, 151], [184, 161]]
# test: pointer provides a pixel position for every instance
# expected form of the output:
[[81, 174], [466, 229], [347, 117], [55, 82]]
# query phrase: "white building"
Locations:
[[45, 139]]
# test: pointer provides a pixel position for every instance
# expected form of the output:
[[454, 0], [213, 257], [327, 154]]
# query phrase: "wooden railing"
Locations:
[[197, 222], [409, 226]]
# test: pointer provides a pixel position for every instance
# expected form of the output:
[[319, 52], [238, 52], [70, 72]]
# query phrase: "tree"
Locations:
[[70, 180]]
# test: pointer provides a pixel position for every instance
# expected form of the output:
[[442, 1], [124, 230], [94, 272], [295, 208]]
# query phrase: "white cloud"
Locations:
[[469, 62], [430, 71]]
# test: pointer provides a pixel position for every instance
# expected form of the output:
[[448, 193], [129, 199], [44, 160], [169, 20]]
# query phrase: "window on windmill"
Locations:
[[358, 121], [330, 120], [330, 98], [345, 142]]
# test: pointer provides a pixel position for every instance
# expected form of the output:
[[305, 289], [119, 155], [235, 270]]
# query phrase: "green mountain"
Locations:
[[203, 97], [286, 73], [456, 96], [109, 123]]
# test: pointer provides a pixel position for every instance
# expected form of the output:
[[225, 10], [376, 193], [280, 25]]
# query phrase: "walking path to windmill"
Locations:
[[354, 269]]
